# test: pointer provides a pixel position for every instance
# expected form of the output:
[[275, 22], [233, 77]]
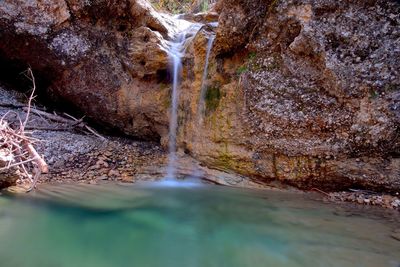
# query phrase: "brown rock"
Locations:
[[8, 178], [203, 17], [288, 99], [97, 57]]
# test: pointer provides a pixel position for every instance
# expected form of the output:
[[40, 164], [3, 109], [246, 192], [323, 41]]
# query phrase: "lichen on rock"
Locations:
[[70, 45]]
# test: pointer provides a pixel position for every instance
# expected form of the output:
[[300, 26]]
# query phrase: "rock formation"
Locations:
[[105, 58], [305, 92]]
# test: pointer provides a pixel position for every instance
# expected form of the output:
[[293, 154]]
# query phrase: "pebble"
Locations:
[[396, 203]]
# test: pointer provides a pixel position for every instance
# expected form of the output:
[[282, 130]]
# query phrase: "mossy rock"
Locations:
[[242, 69], [213, 97]]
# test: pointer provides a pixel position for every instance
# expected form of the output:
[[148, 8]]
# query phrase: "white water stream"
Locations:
[[176, 52], [203, 91]]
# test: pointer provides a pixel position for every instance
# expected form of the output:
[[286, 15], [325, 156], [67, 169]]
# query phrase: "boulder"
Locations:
[[106, 59]]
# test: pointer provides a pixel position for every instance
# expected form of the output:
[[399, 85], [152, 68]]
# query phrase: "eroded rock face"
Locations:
[[106, 58], [304, 92]]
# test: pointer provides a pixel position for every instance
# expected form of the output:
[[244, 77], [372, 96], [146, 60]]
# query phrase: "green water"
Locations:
[[188, 226]]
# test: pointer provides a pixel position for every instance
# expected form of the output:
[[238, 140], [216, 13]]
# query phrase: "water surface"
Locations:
[[188, 225]]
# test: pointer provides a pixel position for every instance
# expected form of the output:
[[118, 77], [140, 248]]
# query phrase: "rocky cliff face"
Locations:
[[303, 92]]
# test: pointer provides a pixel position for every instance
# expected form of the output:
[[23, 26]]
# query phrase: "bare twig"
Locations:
[[17, 144], [30, 98], [70, 122], [85, 126], [55, 128], [16, 164], [50, 116], [34, 181], [10, 105]]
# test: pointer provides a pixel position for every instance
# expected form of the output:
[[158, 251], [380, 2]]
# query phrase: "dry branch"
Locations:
[[69, 123], [42, 165], [85, 126], [17, 147], [50, 116]]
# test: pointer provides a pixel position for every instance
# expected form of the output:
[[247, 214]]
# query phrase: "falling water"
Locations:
[[203, 90], [176, 52], [201, 104]]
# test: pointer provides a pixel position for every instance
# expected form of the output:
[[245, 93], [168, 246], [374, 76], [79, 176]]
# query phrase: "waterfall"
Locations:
[[203, 88], [176, 52], [203, 91]]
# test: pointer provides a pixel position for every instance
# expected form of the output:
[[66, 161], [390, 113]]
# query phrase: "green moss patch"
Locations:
[[213, 97], [241, 69]]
